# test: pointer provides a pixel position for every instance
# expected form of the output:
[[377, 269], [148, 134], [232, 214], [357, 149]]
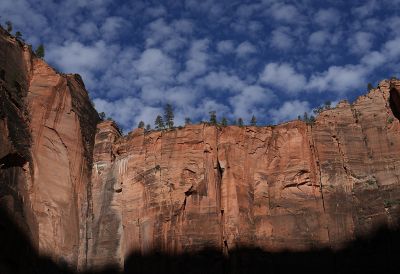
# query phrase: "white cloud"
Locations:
[[252, 100], [170, 37], [361, 42], [318, 39], [183, 25], [289, 110], [154, 67], [209, 7], [339, 78], [285, 13], [74, 57], [196, 64], [281, 39], [222, 80], [283, 76], [128, 111], [111, 27], [225, 46], [209, 104], [327, 17], [366, 9], [244, 49], [88, 30]]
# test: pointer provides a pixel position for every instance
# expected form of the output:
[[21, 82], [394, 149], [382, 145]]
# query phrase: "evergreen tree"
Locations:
[[159, 122], [102, 116], [299, 117], [18, 35], [141, 124], [328, 104], [187, 121], [370, 86], [305, 117], [169, 116], [240, 122], [148, 127], [213, 117], [234, 123], [253, 121], [9, 26], [40, 51], [224, 122], [311, 120]]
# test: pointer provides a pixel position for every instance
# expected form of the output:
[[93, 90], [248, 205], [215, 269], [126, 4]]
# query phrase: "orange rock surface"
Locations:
[[288, 187], [47, 128], [89, 197]]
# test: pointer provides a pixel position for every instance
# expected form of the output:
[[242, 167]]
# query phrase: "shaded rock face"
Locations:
[[89, 197], [47, 128], [289, 187]]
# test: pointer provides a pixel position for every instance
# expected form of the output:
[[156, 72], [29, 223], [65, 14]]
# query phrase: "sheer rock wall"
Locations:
[[288, 187], [47, 128], [89, 197]]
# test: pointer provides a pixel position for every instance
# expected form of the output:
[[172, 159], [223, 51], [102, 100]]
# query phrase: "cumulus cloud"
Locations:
[[169, 36], [154, 67], [111, 26], [222, 81], [289, 110], [281, 39], [244, 49], [128, 111], [136, 58], [225, 46], [366, 9], [251, 100], [285, 13], [339, 78], [80, 58], [361, 42], [196, 64], [283, 76], [327, 17]]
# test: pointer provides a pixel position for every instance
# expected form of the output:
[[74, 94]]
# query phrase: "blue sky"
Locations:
[[274, 59]]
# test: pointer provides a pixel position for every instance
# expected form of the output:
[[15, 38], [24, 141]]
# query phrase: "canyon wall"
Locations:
[[88, 197], [47, 128], [287, 187]]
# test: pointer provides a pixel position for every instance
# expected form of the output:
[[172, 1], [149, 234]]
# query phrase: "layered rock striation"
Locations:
[[287, 187], [47, 129], [88, 197]]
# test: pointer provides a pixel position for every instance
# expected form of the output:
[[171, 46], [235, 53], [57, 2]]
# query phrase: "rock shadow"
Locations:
[[379, 253]]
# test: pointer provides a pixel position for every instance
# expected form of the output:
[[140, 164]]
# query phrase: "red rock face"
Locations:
[[90, 198], [47, 128], [289, 187]]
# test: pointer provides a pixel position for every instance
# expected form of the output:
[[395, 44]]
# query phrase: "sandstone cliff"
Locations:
[[47, 128], [288, 187], [89, 197]]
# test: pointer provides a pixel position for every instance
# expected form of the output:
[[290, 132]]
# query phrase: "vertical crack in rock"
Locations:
[[342, 155], [317, 163], [220, 175]]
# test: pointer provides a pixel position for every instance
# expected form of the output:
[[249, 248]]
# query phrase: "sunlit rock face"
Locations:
[[288, 187], [88, 197], [47, 128]]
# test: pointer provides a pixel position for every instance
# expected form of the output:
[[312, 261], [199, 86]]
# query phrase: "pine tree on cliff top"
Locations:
[[159, 123], [169, 116], [40, 51], [213, 117], [253, 121]]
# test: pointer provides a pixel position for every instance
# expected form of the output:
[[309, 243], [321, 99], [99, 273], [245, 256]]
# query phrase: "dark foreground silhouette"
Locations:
[[379, 253]]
